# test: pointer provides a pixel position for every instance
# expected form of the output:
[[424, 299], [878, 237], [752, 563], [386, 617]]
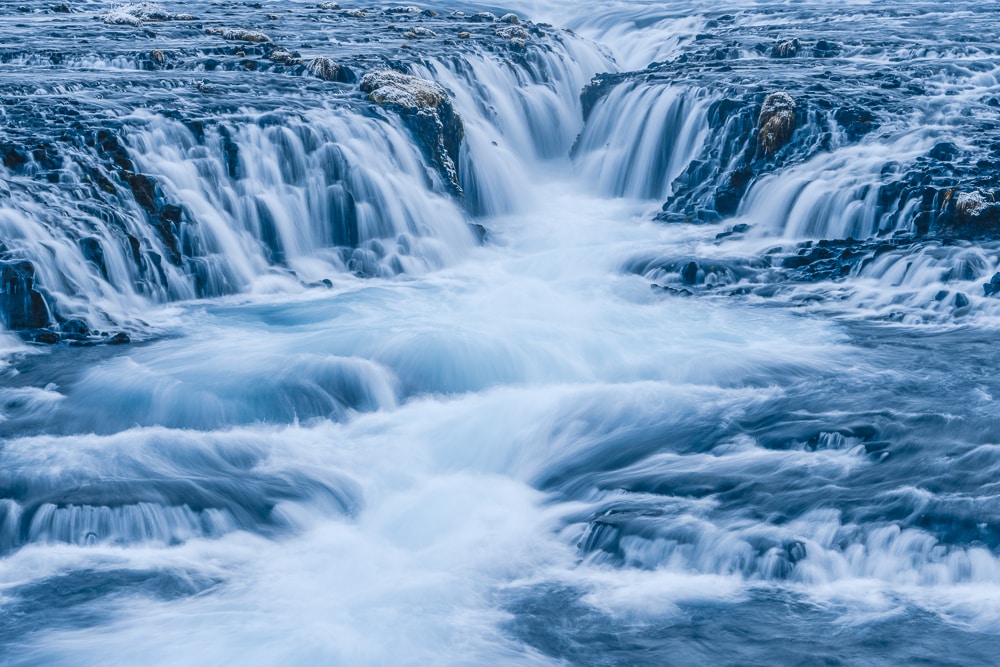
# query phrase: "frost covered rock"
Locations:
[[326, 69], [418, 32], [135, 13], [388, 86], [284, 57], [972, 204], [514, 33], [403, 10], [356, 13], [245, 36], [484, 17], [427, 111], [328, 5], [776, 121]]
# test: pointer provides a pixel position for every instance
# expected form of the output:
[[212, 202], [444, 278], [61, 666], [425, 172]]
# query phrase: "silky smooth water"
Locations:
[[513, 452]]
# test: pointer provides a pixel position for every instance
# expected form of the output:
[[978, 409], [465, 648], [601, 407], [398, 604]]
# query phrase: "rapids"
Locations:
[[631, 390]]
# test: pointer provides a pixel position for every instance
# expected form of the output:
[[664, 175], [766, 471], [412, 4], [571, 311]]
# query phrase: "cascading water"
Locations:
[[648, 335]]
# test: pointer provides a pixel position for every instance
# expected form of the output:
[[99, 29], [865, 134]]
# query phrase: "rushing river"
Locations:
[[638, 385]]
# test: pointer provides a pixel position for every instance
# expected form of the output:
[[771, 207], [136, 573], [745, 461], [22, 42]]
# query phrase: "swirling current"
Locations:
[[603, 333]]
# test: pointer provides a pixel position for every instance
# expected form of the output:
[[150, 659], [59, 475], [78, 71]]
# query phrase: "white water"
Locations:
[[382, 472]]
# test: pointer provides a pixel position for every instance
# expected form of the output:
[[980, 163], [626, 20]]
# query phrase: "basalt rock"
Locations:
[[427, 111]]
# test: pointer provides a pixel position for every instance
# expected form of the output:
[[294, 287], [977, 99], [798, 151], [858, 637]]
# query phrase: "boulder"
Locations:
[[776, 122], [326, 69], [786, 49], [993, 286], [239, 35]]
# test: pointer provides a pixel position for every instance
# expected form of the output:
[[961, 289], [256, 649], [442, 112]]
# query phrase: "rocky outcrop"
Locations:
[[428, 112]]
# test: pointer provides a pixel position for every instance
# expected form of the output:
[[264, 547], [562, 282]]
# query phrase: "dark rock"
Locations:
[[120, 338], [75, 329], [786, 49], [961, 301], [993, 286], [94, 253], [689, 274], [21, 305]]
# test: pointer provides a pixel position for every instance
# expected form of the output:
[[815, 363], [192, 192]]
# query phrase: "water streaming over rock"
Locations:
[[614, 333]]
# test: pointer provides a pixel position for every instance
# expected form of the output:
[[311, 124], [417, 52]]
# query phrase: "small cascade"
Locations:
[[329, 192], [638, 139], [516, 113]]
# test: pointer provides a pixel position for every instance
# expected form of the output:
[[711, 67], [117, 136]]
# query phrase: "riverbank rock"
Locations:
[[428, 112]]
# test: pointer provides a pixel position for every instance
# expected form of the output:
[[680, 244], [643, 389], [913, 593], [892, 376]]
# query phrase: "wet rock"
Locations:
[[993, 286], [326, 69], [786, 49], [22, 306], [75, 329], [93, 252], [403, 10], [510, 18], [328, 5], [776, 121], [158, 56], [356, 13], [464, 35], [961, 301], [689, 274], [429, 113], [825, 49], [61, 8], [483, 17], [120, 338]]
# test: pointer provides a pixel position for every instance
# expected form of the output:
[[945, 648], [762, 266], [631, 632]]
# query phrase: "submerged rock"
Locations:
[[776, 121]]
